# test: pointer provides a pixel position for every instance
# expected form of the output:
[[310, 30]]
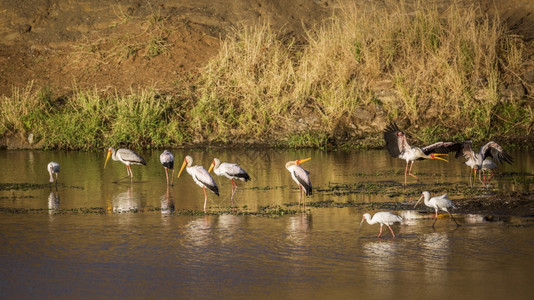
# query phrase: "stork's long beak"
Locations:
[[418, 201], [183, 166], [360, 227], [211, 167], [302, 160], [475, 176], [107, 158], [437, 156]]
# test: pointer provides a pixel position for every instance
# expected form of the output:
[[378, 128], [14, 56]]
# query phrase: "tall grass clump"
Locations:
[[141, 120], [441, 67], [445, 65], [247, 90], [23, 110]]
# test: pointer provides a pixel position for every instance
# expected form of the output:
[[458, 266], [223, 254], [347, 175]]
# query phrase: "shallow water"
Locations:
[[318, 254]]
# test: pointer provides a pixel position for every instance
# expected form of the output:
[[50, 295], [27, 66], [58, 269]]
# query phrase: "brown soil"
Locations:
[[109, 45]]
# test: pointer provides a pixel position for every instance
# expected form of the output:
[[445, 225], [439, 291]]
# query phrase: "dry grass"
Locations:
[[443, 71]]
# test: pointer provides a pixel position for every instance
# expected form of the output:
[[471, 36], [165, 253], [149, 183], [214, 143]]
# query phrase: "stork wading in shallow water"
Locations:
[[201, 177], [438, 203], [53, 168], [231, 171], [300, 176], [167, 160], [127, 157], [383, 218], [398, 147], [476, 160]]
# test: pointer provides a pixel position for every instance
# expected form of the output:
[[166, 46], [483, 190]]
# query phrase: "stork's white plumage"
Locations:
[[167, 160], [300, 176], [398, 147], [127, 157], [53, 168], [201, 177], [383, 218], [438, 203], [229, 170]]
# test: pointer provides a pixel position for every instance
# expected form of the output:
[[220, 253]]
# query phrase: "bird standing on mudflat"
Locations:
[[167, 160], [438, 203], [398, 147], [383, 218], [201, 177], [53, 168], [229, 170], [300, 176], [476, 160], [127, 157]]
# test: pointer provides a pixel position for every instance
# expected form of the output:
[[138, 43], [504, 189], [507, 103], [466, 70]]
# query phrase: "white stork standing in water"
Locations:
[[398, 147], [438, 203], [167, 160], [127, 157], [383, 218], [231, 171], [477, 161], [300, 176], [201, 177], [53, 168]]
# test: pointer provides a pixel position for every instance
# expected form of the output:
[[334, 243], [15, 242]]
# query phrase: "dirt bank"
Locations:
[[120, 45]]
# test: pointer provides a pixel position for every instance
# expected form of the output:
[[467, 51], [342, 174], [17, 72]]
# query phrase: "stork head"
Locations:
[[367, 217], [188, 161], [110, 152], [215, 163], [425, 195]]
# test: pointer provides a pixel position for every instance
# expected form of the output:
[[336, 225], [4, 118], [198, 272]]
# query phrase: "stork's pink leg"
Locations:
[[205, 198], [405, 172], [410, 172], [380, 233], [167, 175], [392, 233], [300, 194], [492, 173]]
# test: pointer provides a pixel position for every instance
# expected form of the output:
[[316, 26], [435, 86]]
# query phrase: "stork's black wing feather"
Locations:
[[395, 140], [442, 147], [496, 152]]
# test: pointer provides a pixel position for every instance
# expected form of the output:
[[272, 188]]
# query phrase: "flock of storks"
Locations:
[[396, 144]]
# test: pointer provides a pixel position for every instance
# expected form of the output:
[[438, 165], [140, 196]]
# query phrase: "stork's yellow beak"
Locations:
[[181, 169], [475, 176], [211, 167], [302, 160], [107, 158], [437, 156]]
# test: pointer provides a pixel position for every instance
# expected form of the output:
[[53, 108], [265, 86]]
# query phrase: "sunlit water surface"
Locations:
[[132, 251]]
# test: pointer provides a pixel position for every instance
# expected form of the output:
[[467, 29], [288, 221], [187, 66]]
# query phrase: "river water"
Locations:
[[140, 247]]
